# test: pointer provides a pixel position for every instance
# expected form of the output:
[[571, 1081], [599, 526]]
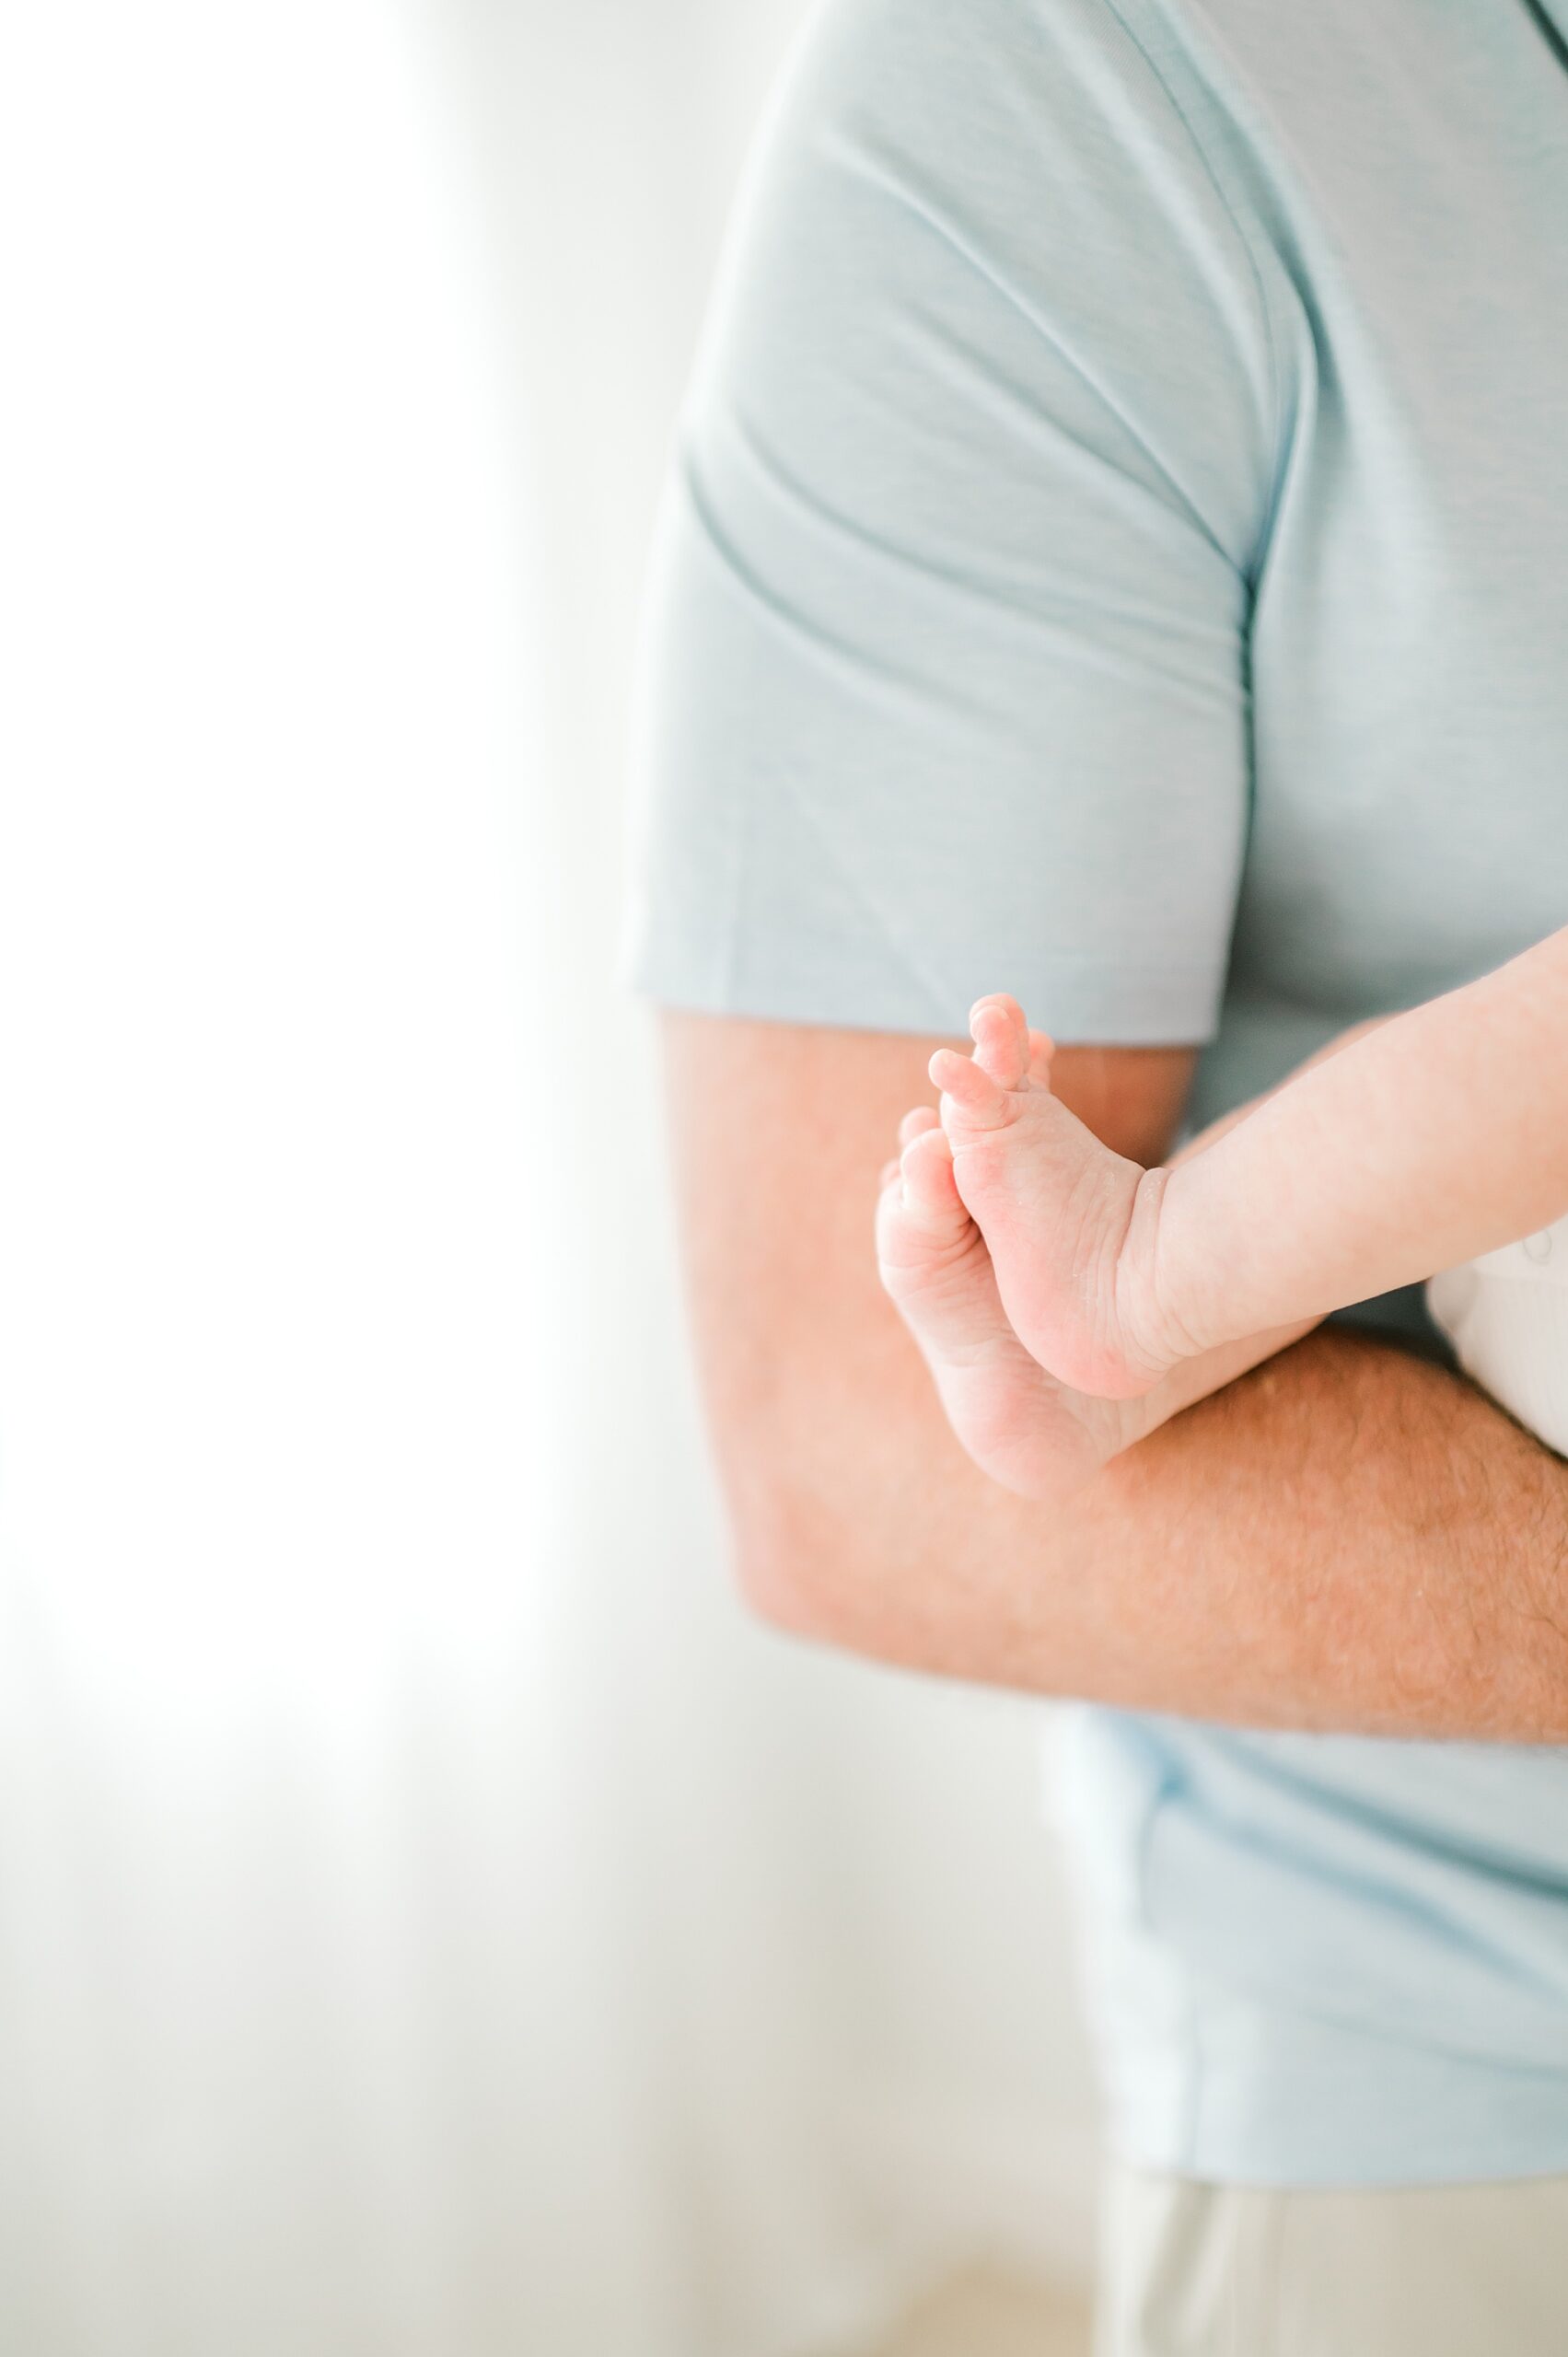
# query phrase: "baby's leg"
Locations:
[[1069, 1225]]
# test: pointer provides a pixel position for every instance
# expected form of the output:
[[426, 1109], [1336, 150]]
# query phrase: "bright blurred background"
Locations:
[[434, 1920]]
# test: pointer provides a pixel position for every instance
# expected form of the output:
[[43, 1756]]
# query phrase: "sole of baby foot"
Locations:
[[1022, 1428], [1067, 1222]]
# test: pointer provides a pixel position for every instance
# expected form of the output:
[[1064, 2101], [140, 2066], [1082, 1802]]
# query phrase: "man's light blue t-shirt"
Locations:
[[1117, 552]]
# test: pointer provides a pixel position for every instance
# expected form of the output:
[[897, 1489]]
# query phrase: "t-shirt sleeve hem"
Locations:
[[1081, 1001]]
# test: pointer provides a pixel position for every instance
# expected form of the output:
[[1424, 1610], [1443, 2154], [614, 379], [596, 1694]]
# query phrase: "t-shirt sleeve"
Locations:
[[942, 680]]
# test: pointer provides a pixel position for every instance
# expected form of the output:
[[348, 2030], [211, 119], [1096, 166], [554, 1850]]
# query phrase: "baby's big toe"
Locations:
[[1001, 1039], [930, 1190], [921, 1225]]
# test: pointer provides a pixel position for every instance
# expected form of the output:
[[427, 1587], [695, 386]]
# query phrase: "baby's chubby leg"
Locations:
[[1071, 1227]]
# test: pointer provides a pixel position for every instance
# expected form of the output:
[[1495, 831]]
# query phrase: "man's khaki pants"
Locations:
[[1188, 2270]]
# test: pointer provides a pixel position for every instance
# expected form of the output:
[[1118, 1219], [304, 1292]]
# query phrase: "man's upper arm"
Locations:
[[778, 1133], [943, 681]]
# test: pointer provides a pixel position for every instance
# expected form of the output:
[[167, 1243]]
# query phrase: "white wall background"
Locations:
[[432, 1918]]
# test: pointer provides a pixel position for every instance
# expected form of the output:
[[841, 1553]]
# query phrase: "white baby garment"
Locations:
[[1506, 1315]]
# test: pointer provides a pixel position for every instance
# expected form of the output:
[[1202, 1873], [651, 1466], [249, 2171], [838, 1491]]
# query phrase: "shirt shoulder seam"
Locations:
[[1276, 385]]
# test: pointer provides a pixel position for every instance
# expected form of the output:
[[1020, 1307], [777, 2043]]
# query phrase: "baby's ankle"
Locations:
[[1147, 1293]]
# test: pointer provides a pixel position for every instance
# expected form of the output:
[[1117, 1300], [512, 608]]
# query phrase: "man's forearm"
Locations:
[[1347, 1537]]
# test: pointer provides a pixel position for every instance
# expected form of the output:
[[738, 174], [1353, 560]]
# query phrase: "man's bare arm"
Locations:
[[1347, 1537]]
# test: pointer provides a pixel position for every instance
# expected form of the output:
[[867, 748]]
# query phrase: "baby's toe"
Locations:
[[969, 1089], [929, 1184], [1001, 1038], [921, 1225]]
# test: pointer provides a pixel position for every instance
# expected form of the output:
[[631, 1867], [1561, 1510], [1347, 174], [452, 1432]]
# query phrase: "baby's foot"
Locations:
[[1070, 1225], [1029, 1432]]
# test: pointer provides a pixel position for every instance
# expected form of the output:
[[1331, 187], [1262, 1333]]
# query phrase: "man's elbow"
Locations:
[[787, 1562]]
